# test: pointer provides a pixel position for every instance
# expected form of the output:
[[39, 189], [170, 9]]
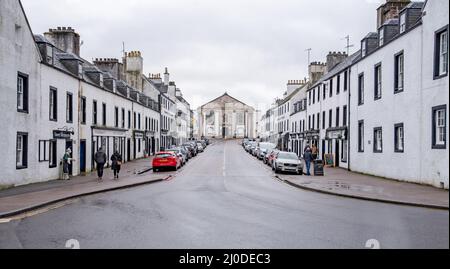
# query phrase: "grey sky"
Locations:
[[248, 48]]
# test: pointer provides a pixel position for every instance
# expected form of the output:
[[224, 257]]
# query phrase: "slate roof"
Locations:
[[339, 68]]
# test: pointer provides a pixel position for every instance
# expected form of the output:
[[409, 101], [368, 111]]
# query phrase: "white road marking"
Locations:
[[224, 171]]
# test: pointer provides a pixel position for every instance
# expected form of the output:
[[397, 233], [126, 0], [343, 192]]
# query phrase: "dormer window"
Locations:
[[101, 79], [364, 48], [80, 70], [381, 37], [402, 23], [49, 54]]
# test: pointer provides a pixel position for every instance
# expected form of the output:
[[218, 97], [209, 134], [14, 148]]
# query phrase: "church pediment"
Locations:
[[223, 101]]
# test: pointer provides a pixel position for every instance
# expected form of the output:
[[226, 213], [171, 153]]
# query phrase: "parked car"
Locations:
[[263, 148], [180, 153], [200, 147], [164, 160], [191, 149], [271, 157], [287, 162], [249, 146]]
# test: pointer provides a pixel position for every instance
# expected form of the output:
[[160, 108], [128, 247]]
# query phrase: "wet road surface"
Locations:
[[225, 198]]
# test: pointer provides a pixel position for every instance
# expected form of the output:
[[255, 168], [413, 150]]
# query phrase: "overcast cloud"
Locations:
[[248, 48]]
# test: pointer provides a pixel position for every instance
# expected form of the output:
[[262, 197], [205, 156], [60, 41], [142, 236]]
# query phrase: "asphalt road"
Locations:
[[227, 199]]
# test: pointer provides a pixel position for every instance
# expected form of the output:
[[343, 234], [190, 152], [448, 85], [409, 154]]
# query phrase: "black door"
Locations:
[[153, 146], [83, 156], [323, 150], [337, 156], [128, 150], [69, 145]]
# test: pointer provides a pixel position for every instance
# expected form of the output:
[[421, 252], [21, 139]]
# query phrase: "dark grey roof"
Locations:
[[391, 22], [339, 68], [418, 5], [67, 56], [371, 35], [42, 39]]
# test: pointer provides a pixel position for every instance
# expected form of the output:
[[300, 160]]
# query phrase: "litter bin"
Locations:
[[318, 168]]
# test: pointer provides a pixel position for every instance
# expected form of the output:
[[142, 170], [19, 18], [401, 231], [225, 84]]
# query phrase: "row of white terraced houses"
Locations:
[[382, 110], [53, 99]]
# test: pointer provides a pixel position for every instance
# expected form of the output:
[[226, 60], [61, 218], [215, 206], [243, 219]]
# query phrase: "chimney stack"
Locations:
[[334, 58], [166, 77], [390, 10], [65, 39], [316, 71]]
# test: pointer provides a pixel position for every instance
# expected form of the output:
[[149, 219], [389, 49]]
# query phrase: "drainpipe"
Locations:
[[349, 122]]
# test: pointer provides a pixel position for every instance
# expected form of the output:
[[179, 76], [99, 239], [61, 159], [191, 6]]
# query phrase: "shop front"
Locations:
[[338, 144], [150, 143], [110, 140]]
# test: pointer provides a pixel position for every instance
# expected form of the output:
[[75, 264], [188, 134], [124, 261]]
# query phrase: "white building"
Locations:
[[327, 115], [226, 117], [53, 99], [182, 118], [399, 100]]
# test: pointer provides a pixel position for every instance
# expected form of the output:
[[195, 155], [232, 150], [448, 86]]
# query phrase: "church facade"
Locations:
[[226, 117]]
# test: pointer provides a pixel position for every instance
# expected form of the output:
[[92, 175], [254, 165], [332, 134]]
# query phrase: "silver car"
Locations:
[[287, 162], [263, 149]]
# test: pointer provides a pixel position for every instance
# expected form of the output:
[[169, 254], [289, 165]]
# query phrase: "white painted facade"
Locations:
[[18, 53], [127, 118], [417, 161]]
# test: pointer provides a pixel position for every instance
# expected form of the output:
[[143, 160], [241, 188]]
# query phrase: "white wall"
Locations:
[[434, 163], [18, 53]]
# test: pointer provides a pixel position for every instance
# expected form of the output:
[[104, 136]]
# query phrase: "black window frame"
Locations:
[[129, 119], [338, 85], [338, 116], [53, 163], [324, 120], [361, 136], [344, 114], [83, 108], [396, 78], [54, 116], [43, 144], [104, 117], [69, 107], [123, 118], [25, 91], [24, 164], [378, 92], [361, 89], [434, 145], [94, 112], [396, 127], [345, 80], [375, 130], [331, 88], [330, 118], [437, 46], [116, 116]]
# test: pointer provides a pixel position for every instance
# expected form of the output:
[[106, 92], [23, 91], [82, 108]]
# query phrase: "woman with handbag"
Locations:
[[116, 159]]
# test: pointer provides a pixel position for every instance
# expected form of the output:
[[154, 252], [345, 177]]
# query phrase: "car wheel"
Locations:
[[156, 170]]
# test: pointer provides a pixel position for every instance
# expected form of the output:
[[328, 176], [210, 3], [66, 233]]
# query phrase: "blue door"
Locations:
[[83, 156]]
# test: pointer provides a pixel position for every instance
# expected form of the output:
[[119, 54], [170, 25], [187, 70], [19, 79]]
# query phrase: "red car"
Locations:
[[166, 160]]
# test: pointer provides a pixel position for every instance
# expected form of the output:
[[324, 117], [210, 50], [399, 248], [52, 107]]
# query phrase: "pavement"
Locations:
[[341, 182], [27, 198], [226, 199]]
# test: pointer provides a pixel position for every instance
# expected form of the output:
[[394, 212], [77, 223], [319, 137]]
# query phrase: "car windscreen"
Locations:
[[267, 146], [164, 155], [288, 156]]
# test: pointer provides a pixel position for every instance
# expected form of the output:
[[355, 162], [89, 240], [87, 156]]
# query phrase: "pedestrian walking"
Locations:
[[116, 160], [66, 164], [308, 159], [314, 152], [100, 158]]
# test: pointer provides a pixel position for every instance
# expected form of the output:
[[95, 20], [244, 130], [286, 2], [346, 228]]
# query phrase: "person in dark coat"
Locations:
[[100, 158], [116, 160], [308, 159]]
